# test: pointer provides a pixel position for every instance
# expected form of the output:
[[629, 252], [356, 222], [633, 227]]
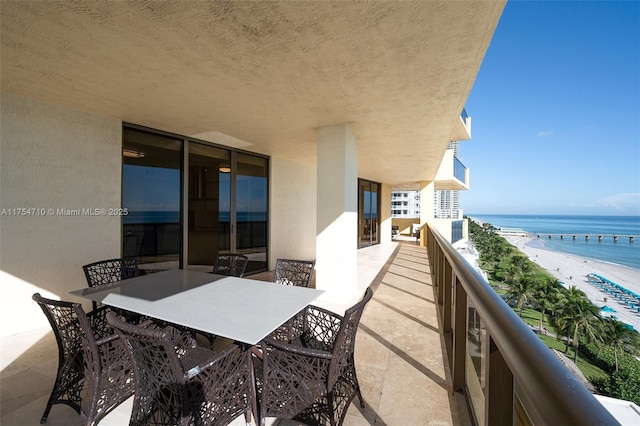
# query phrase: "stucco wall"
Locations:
[[292, 211], [55, 159], [405, 226], [443, 226]]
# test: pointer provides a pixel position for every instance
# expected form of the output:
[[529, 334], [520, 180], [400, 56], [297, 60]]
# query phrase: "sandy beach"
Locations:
[[573, 270]]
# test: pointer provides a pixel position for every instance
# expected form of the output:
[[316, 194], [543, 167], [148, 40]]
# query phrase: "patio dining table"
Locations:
[[241, 309]]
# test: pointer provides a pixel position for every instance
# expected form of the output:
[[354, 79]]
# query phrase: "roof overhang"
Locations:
[[262, 76]]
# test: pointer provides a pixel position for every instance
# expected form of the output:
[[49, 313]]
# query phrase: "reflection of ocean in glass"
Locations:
[[174, 217], [151, 217], [621, 252]]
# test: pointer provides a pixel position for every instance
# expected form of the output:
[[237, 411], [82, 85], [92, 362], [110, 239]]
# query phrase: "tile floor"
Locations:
[[399, 355]]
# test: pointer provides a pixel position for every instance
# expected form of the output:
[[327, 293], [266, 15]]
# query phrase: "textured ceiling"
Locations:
[[261, 75]]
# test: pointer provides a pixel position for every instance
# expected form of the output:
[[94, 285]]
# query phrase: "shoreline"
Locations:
[[573, 270]]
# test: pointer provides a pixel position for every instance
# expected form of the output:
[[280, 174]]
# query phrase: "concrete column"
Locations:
[[427, 191], [337, 215], [385, 213]]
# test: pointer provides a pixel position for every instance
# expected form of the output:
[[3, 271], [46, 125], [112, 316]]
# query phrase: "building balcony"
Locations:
[[434, 337], [452, 174], [455, 214], [462, 128]]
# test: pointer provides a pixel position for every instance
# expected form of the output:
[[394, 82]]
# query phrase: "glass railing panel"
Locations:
[[456, 231], [464, 115], [458, 169], [476, 362]]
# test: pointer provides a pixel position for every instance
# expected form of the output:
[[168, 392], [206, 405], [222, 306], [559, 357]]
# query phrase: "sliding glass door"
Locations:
[[368, 209], [209, 231], [189, 201]]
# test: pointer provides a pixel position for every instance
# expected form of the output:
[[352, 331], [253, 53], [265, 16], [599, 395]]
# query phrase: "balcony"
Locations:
[[462, 128], [455, 214], [452, 174], [414, 357]]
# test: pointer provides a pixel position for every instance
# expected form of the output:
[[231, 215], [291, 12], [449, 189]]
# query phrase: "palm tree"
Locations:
[[545, 297], [514, 268], [621, 338], [577, 317], [520, 291]]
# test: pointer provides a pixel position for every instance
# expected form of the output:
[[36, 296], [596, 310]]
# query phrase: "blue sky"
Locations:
[[556, 112]]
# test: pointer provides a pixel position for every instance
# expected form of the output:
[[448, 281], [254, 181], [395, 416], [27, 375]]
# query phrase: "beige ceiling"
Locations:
[[261, 75]]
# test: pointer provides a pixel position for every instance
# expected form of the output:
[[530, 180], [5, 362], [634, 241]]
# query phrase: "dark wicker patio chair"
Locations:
[[294, 272], [95, 374], [230, 264], [109, 271], [308, 371], [179, 383]]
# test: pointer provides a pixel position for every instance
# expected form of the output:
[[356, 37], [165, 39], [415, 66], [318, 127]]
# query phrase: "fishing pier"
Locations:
[[588, 237]]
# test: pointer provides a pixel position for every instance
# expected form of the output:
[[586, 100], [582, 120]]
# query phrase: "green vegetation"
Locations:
[[603, 349]]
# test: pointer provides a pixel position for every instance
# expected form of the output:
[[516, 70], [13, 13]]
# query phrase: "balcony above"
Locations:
[[462, 128], [452, 174]]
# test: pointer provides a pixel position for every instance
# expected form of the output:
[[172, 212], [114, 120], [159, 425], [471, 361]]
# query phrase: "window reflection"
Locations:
[[251, 210], [209, 197], [368, 217], [225, 195], [151, 194]]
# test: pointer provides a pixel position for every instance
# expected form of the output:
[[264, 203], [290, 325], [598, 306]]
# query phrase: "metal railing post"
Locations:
[[458, 364], [447, 304], [499, 388], [442, 261]]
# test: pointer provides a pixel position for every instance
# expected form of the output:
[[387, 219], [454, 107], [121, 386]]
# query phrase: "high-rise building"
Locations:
[[446, 202], [410, 206], [405, 204]]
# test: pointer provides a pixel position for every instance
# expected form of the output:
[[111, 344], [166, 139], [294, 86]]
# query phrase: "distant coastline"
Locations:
[[573, 270], [620, 252]]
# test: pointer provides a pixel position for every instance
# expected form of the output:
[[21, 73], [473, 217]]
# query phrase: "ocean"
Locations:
[[621, 252], [161, 216]]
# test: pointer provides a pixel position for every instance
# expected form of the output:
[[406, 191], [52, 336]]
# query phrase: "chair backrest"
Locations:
[[294, 272], [345, 342], [161, 397], [106, 272], [109, 271], [230, 264], [101, 365]]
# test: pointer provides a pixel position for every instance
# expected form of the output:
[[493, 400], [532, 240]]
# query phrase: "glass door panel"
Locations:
[[363, 213], [373, 215], [368, 207], [151, 183], [209, 229], [250, 214]]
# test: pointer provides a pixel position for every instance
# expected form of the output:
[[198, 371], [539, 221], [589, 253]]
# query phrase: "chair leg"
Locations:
[[331, 409], [360, 398], [45, 414], [72, 398]]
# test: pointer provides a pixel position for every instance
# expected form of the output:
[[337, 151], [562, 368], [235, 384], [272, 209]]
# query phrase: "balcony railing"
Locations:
[[464, 115], [448, 214], [508, 374], [459, 169]]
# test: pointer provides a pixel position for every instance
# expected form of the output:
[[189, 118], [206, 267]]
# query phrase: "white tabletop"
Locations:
[[237, 308]]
